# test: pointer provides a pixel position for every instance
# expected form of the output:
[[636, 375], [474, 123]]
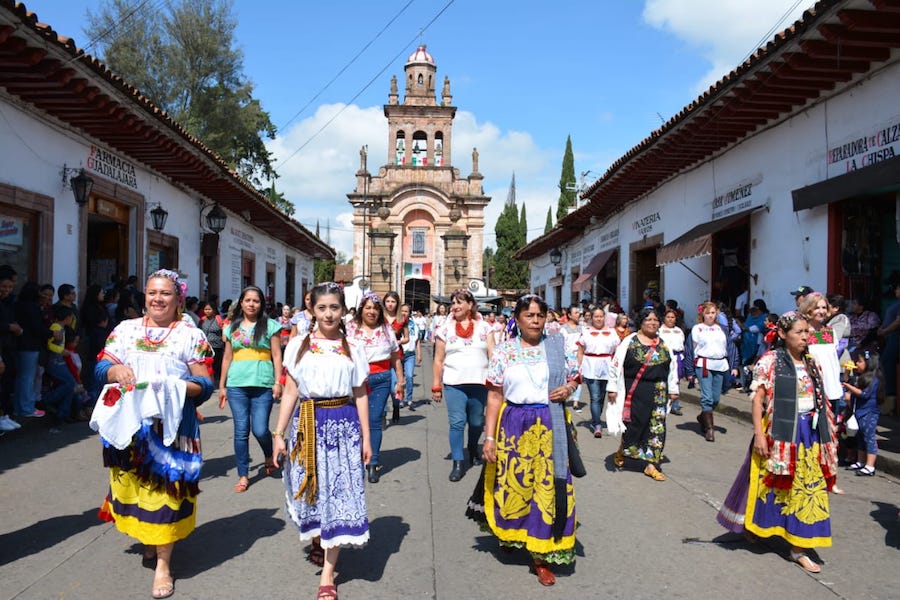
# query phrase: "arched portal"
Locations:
[[417, 292]]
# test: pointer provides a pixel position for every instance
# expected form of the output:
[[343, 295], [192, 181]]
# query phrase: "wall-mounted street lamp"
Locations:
[[555, 256], [159, 216], [81, 185], [216, 218]]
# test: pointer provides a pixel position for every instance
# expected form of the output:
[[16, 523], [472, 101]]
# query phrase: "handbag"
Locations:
[[576, 465], [852, 426]]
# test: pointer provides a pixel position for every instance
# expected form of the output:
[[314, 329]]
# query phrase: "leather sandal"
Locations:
[[654, 473], [544, 574], [164, 589], [242, 485], [327, 592], [619, 459], [805, 562], [316, 553]]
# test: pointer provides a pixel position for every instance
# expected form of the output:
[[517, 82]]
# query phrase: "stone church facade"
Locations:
[[418, 225]]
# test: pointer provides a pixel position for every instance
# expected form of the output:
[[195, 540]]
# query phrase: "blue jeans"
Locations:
[[409, 371], [379, 390], [27, 369], [250, 407], [597, 390], [710, 388], [465, 403], [61, 395]]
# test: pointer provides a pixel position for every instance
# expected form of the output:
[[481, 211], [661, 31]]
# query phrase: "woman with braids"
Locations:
[[782, 488], [251, 378], [153, 365], [377, 341], [326, 438], [525, 495]]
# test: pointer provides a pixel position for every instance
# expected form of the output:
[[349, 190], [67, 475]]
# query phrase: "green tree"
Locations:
[[567, 183], [523, 227], [186, 61], [323, 269], [549, 224], [508, 272]]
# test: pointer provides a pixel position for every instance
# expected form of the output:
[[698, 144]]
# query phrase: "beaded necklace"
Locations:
[[465, 332], [153, 342]]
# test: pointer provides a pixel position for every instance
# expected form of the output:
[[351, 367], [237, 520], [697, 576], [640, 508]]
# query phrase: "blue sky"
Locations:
[[524, 74]]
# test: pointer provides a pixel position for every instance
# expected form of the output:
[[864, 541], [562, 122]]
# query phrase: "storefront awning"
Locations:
[[697, 241], [583, 283], [877, 179]]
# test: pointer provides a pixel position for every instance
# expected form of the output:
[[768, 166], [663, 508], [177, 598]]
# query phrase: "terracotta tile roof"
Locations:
[[49, 72], [835, 42]]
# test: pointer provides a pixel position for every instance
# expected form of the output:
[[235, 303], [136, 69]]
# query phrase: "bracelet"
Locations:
[[277, 433], [282, 380], [488, 438], [437, 389]]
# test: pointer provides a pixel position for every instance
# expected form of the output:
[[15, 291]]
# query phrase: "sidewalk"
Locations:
[[736, 404]]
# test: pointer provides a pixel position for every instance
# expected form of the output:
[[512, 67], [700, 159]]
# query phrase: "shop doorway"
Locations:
[[607, 281], [730, 275], [248, 269], [645, 275], [107, 244], [417, 292]]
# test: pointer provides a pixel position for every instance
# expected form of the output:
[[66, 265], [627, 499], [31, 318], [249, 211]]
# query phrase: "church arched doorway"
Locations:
[[417, 292]]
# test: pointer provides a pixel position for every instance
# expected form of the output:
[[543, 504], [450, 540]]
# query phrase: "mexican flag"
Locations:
[[417, 269]]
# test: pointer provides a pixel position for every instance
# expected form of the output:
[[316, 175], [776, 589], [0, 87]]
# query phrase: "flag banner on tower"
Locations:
[[417, 269]]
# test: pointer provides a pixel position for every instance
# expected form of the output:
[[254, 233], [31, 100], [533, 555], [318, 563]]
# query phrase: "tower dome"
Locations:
[[421, 55]]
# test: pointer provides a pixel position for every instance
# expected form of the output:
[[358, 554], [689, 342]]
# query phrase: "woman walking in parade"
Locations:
[[525, 496], [412, 355], [673, 336], [571, 331], [251, 379], [400, 326], [782, 488], [326, 440], [643, 379], [154, 463], [463, 346], [596, 347], [712, 353], [211, 324], [371, 334]]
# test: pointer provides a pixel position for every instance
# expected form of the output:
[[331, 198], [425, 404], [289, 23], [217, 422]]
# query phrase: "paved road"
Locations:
[[637, 538]]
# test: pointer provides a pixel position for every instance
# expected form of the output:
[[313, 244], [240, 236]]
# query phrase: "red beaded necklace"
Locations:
[[465, 332], [160, 340]]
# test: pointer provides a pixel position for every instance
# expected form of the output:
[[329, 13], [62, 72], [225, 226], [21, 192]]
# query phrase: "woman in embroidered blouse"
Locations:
[[248, 383], [300, 321], [400, 326], [527, 474], [324, 486], [371, 333], [154, 357], [712, 354], [643, 378], [596, 347], [463, 345], [673, 336], [782, 488]]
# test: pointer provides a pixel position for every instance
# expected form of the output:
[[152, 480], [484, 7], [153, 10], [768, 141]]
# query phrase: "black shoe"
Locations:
[[395, 418], [676, 411], [457, 472], [474, 457], [373, 473]]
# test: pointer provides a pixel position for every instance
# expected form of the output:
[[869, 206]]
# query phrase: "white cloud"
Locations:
[[318, 178], [725, 31]]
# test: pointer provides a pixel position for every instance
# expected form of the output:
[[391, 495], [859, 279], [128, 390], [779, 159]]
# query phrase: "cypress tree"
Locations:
[[549, 224], [566, 180]]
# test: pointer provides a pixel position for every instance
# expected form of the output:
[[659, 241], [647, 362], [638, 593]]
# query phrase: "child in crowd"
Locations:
[[61, 395], [865, 395]]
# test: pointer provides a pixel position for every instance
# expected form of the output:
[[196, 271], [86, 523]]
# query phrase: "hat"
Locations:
[[803, 290]]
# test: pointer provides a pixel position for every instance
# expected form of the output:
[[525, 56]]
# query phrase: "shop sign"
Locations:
[[874, 146], [644, 226], [270, 253], [738, 198], [242, 238], [609, 239], [11, 231], [109, 165], [587, 254]]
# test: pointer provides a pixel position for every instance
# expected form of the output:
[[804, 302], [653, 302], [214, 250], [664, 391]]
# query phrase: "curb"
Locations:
[[886, 463]]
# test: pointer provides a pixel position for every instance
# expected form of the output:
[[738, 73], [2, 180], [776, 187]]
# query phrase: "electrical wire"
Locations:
[[366, 86], [346, 66]]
